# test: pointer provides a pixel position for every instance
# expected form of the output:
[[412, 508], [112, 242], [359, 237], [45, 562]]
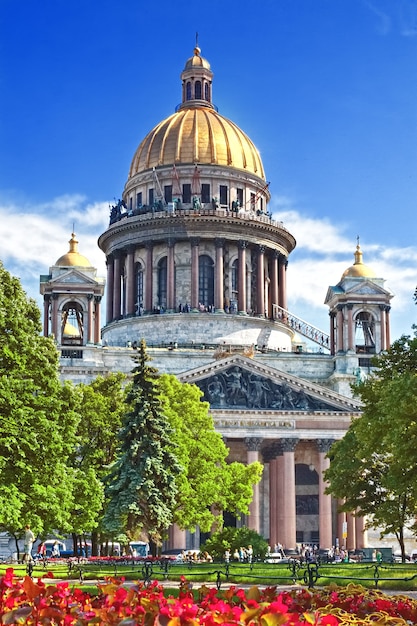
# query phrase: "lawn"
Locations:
[[394, 576]]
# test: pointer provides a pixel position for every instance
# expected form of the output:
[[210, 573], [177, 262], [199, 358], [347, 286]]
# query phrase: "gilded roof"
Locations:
[[359, 269], [73, 258], [197, 135]]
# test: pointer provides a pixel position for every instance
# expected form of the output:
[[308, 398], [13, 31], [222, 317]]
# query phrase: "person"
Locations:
[[42, 550], [29, 539], [249, 553], [55, 550], [379, 556]]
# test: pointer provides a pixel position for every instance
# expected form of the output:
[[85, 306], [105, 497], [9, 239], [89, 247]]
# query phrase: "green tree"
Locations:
[[373, 467], [102, 404], [208, 485], [38, 420], [141, 485], [232, 539]]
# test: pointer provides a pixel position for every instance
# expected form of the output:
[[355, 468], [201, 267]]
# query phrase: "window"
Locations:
[[365, 333], [206, 280], [130, 203], [186, 193], [139, 288], [162, 282], [205, 193], [168, 193], [151, 197], [188, 91], [223, 194], [239, 195], [139, 199], [252, 201], [198, 89], [206, 92]]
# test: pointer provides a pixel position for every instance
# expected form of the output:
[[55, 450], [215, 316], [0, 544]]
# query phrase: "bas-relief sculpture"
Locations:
[[239, 388]]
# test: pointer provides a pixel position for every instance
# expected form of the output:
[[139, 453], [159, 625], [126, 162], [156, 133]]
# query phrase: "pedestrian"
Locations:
[[55, 550], [29, 539]]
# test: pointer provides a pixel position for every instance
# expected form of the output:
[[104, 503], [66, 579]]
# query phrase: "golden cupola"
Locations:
[[196, 132], [358, 269], [73, 258]]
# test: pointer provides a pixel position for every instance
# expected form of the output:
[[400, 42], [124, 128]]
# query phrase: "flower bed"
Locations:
[[24, 601]]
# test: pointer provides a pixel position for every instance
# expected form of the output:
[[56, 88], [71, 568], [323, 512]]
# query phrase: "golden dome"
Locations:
[[73, 258], [358, 269], [197, 135], [197, 61]]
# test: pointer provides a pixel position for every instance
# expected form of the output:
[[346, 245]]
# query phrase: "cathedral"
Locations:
[[196, 266]]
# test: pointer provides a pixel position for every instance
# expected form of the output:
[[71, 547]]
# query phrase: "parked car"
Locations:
[[64, 552], [275, 557]]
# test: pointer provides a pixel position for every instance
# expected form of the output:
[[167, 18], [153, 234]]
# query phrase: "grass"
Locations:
[[402, 577]]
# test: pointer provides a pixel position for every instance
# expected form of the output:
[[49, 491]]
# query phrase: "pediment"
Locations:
[[367, 288], [238, 382], [72, 277]]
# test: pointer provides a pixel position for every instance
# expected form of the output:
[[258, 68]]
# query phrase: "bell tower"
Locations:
[[72, 295], [359, 312]]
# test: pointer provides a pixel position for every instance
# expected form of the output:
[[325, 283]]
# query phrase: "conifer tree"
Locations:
[[141, 485]]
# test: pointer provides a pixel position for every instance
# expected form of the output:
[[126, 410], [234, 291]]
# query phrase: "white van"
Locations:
[[139, 548]]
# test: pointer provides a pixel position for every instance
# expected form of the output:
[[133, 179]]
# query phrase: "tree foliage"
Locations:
[[38, 419], [232, 539], [208, 484], [141, 484], [373, 467]]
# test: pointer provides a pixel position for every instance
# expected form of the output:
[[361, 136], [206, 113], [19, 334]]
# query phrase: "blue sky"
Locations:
[[326, 89]]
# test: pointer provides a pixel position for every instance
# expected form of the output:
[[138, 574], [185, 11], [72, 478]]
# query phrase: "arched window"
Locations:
[[72, 324], [206, 280], [206, 92], [139, 289], [188, 91], [162, 283], [198, 89], [365, 333]]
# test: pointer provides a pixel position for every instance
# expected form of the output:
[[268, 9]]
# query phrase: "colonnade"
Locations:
[[53, 307], [343, 327], [269, 287], [280, 456]]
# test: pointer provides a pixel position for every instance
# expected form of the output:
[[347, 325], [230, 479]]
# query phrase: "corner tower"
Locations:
[[359, 312], [72, 295]]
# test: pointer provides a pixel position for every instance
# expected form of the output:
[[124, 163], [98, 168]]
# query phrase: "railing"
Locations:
[[294, 572], [301, 326]]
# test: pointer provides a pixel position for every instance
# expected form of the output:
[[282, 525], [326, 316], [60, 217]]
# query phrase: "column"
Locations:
[[97, 320], [253, 445], [351, 531], [260, 282], [110, 283], [195, 241], [361, 534], [219, 285], [325, 501], [90, 334], [282, 281], [116, 287], [332, 335], [339, 328], [149, 278], [130, 281], [387, 323], [56, 330], [46, 301], [274, 282], [341, 526], [242, 277], [289, 513], [350, 338], [176, 537], [383, 329], [270, 458], [171, 276]]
